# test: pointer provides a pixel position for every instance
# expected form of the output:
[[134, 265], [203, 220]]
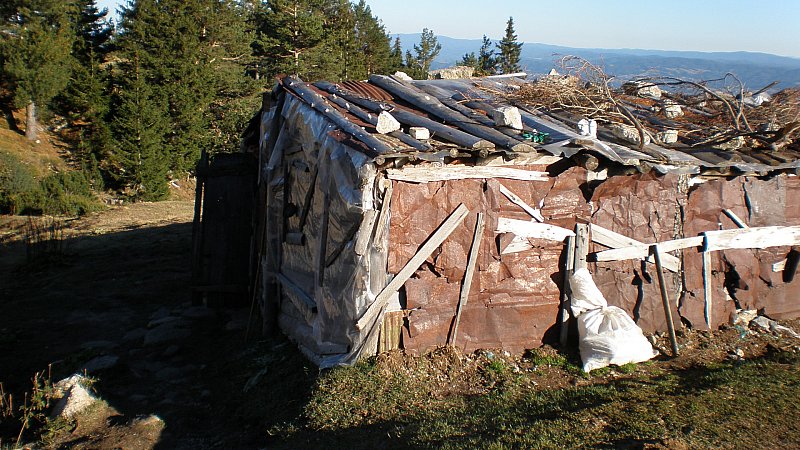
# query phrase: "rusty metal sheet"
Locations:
[[644, 207], [746, 274], [513, 327]]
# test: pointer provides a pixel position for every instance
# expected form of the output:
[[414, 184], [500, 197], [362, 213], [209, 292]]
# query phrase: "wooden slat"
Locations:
[[534, 212], [566, 293], [365, 232], [423, 174], [375, 310], [731, 215], [662, 285], [755, 237], [306, 305], [467, 284], [383, 217], [707, 287], [532, 230], [581, 245], [642, 251], [612, 239]]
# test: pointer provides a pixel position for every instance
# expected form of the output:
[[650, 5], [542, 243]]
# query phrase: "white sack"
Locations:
[[607, 335]]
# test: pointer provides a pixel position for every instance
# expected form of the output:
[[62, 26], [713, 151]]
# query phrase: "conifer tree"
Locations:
[[139, 125], [487, 62], [470, 60], [419, 63], [396, 57], [288, 31], [508, 58], [36, 42], [372, 42]]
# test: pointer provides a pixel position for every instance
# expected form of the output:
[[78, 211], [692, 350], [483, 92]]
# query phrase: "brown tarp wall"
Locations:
[[514, 298]]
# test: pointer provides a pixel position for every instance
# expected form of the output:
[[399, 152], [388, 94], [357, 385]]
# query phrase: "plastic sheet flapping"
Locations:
[[306, 156]]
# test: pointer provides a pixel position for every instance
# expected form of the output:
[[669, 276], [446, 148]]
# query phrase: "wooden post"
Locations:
[[707, 294], [566, 293], [432, 243], [665, 299], [465, 287], [581, 245]]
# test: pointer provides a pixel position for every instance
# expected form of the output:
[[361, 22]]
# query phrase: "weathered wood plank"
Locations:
[[662, 285], [467, 284], [534, 230], [642, 251], [755, 237], [566, 293], [581, 245], [365, 232], [383, 218], [731, 215], [612, 239], [423, 174], [534, 212], [707, 289], [306, 304], [375, 310]]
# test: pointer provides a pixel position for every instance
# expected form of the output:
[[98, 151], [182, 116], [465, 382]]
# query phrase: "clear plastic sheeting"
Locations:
[[318, 193], [607, 335]]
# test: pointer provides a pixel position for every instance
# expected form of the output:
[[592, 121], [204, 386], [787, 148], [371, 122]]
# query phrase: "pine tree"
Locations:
[[470, 60], [425, 52], [36, 54], [395, 62], [510, 50], [139, 127], [288, 31], [487, 63], [372, 42]]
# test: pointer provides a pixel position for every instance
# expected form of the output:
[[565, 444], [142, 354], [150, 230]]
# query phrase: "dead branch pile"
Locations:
[[719, 113]]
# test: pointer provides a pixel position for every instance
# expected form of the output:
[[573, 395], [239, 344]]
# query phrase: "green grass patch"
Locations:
[[486, 404]]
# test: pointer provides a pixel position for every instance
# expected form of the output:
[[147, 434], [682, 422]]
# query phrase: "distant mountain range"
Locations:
[[756, 70]]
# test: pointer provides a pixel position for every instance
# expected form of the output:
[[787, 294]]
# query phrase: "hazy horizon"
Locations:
[[681, 25]]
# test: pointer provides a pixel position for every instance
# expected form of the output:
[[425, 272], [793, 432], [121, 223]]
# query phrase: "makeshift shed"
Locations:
[[397, 214]]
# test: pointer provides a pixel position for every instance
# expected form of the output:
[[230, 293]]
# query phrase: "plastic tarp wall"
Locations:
[[324, 284], [515, 296]]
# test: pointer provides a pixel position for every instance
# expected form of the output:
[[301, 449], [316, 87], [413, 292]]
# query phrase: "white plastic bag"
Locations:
[[607, 335]]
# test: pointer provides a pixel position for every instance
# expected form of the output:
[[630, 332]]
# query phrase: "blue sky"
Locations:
[[771, 26]]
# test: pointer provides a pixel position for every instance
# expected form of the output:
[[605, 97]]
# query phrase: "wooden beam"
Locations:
[[612, 239], [642, 251], [566, 293], [665, 299], [581, 245], [707, 287], [467, 284], [365, 232], [436, 108], [314, 100], [375, 310], [306, 305], [755, 237], [441, 130], [532, 230], [534, 212], [383, 217], [426, 174]]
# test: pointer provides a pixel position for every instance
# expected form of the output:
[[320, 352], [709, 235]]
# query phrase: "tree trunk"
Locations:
[[30, 122]]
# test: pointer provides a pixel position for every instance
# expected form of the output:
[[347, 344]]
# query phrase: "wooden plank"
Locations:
[[532, 230], [612, 239], [447, 227], [516, 245], [534, 212], [707, 293], [755, 237], [306, 305], [365, 232], [425, 174], [566, 293], [731, 215], [467, 284], [642, 251], [383, 218], [581, 245], [665, 299]]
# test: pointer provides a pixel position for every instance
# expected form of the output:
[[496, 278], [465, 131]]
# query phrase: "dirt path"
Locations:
[[117, 303]]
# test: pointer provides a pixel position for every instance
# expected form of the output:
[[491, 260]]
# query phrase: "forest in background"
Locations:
[[136, 101]]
